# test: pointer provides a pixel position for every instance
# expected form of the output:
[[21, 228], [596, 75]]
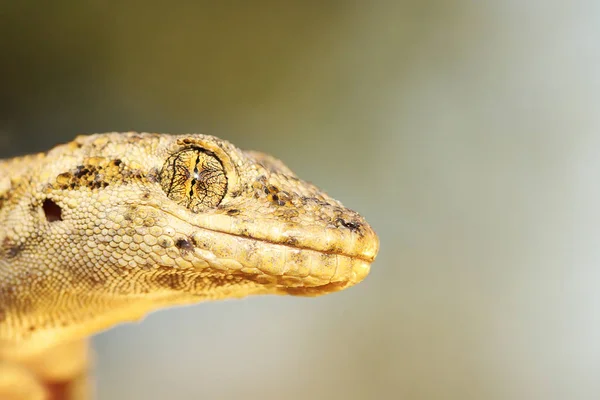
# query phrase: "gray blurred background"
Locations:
[[467, 133]]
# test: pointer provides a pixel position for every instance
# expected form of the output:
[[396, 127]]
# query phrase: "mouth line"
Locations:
[[333, 253], [296, 247]]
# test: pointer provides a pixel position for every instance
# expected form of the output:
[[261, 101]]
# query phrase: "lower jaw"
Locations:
[[311, 287]]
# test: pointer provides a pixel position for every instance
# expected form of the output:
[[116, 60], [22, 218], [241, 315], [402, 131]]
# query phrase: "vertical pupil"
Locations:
[[195, 175]]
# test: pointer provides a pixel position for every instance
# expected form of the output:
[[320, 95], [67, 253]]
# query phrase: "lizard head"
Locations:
[[201, 216]]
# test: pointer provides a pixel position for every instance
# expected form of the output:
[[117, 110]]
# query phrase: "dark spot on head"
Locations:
[[184, 244], [31, 328], [353, 226], [81, 171], [52, 211], [11, 248], [133, 175], [14, 251], [4, 198], [290, 241], [98, 173], [281, 198], [233, 211], [146, 195]]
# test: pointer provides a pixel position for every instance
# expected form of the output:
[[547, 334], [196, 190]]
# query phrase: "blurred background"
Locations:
[[467, 133]]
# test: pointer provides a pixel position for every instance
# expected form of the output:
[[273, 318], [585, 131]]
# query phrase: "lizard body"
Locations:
[[109, 227]]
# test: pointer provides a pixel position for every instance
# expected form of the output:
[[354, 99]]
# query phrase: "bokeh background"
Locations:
[[466, 132]]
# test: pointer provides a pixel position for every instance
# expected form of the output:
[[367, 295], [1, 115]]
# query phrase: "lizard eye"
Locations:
[[194, 178]]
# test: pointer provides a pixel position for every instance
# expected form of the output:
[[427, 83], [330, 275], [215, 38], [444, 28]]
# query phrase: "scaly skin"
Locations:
[[112, 226]]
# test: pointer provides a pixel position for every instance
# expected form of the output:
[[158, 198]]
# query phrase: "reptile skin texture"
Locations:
[[110, 227]]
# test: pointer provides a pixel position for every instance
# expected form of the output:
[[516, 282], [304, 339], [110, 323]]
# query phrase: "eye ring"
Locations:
[[194, 178]]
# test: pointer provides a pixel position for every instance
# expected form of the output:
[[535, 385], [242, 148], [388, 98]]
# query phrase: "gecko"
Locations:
[[110, 227]]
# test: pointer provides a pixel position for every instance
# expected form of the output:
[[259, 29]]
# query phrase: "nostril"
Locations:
[[52, 211]]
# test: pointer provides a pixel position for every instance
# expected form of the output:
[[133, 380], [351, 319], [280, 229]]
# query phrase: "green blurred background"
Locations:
[[467, 133]]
